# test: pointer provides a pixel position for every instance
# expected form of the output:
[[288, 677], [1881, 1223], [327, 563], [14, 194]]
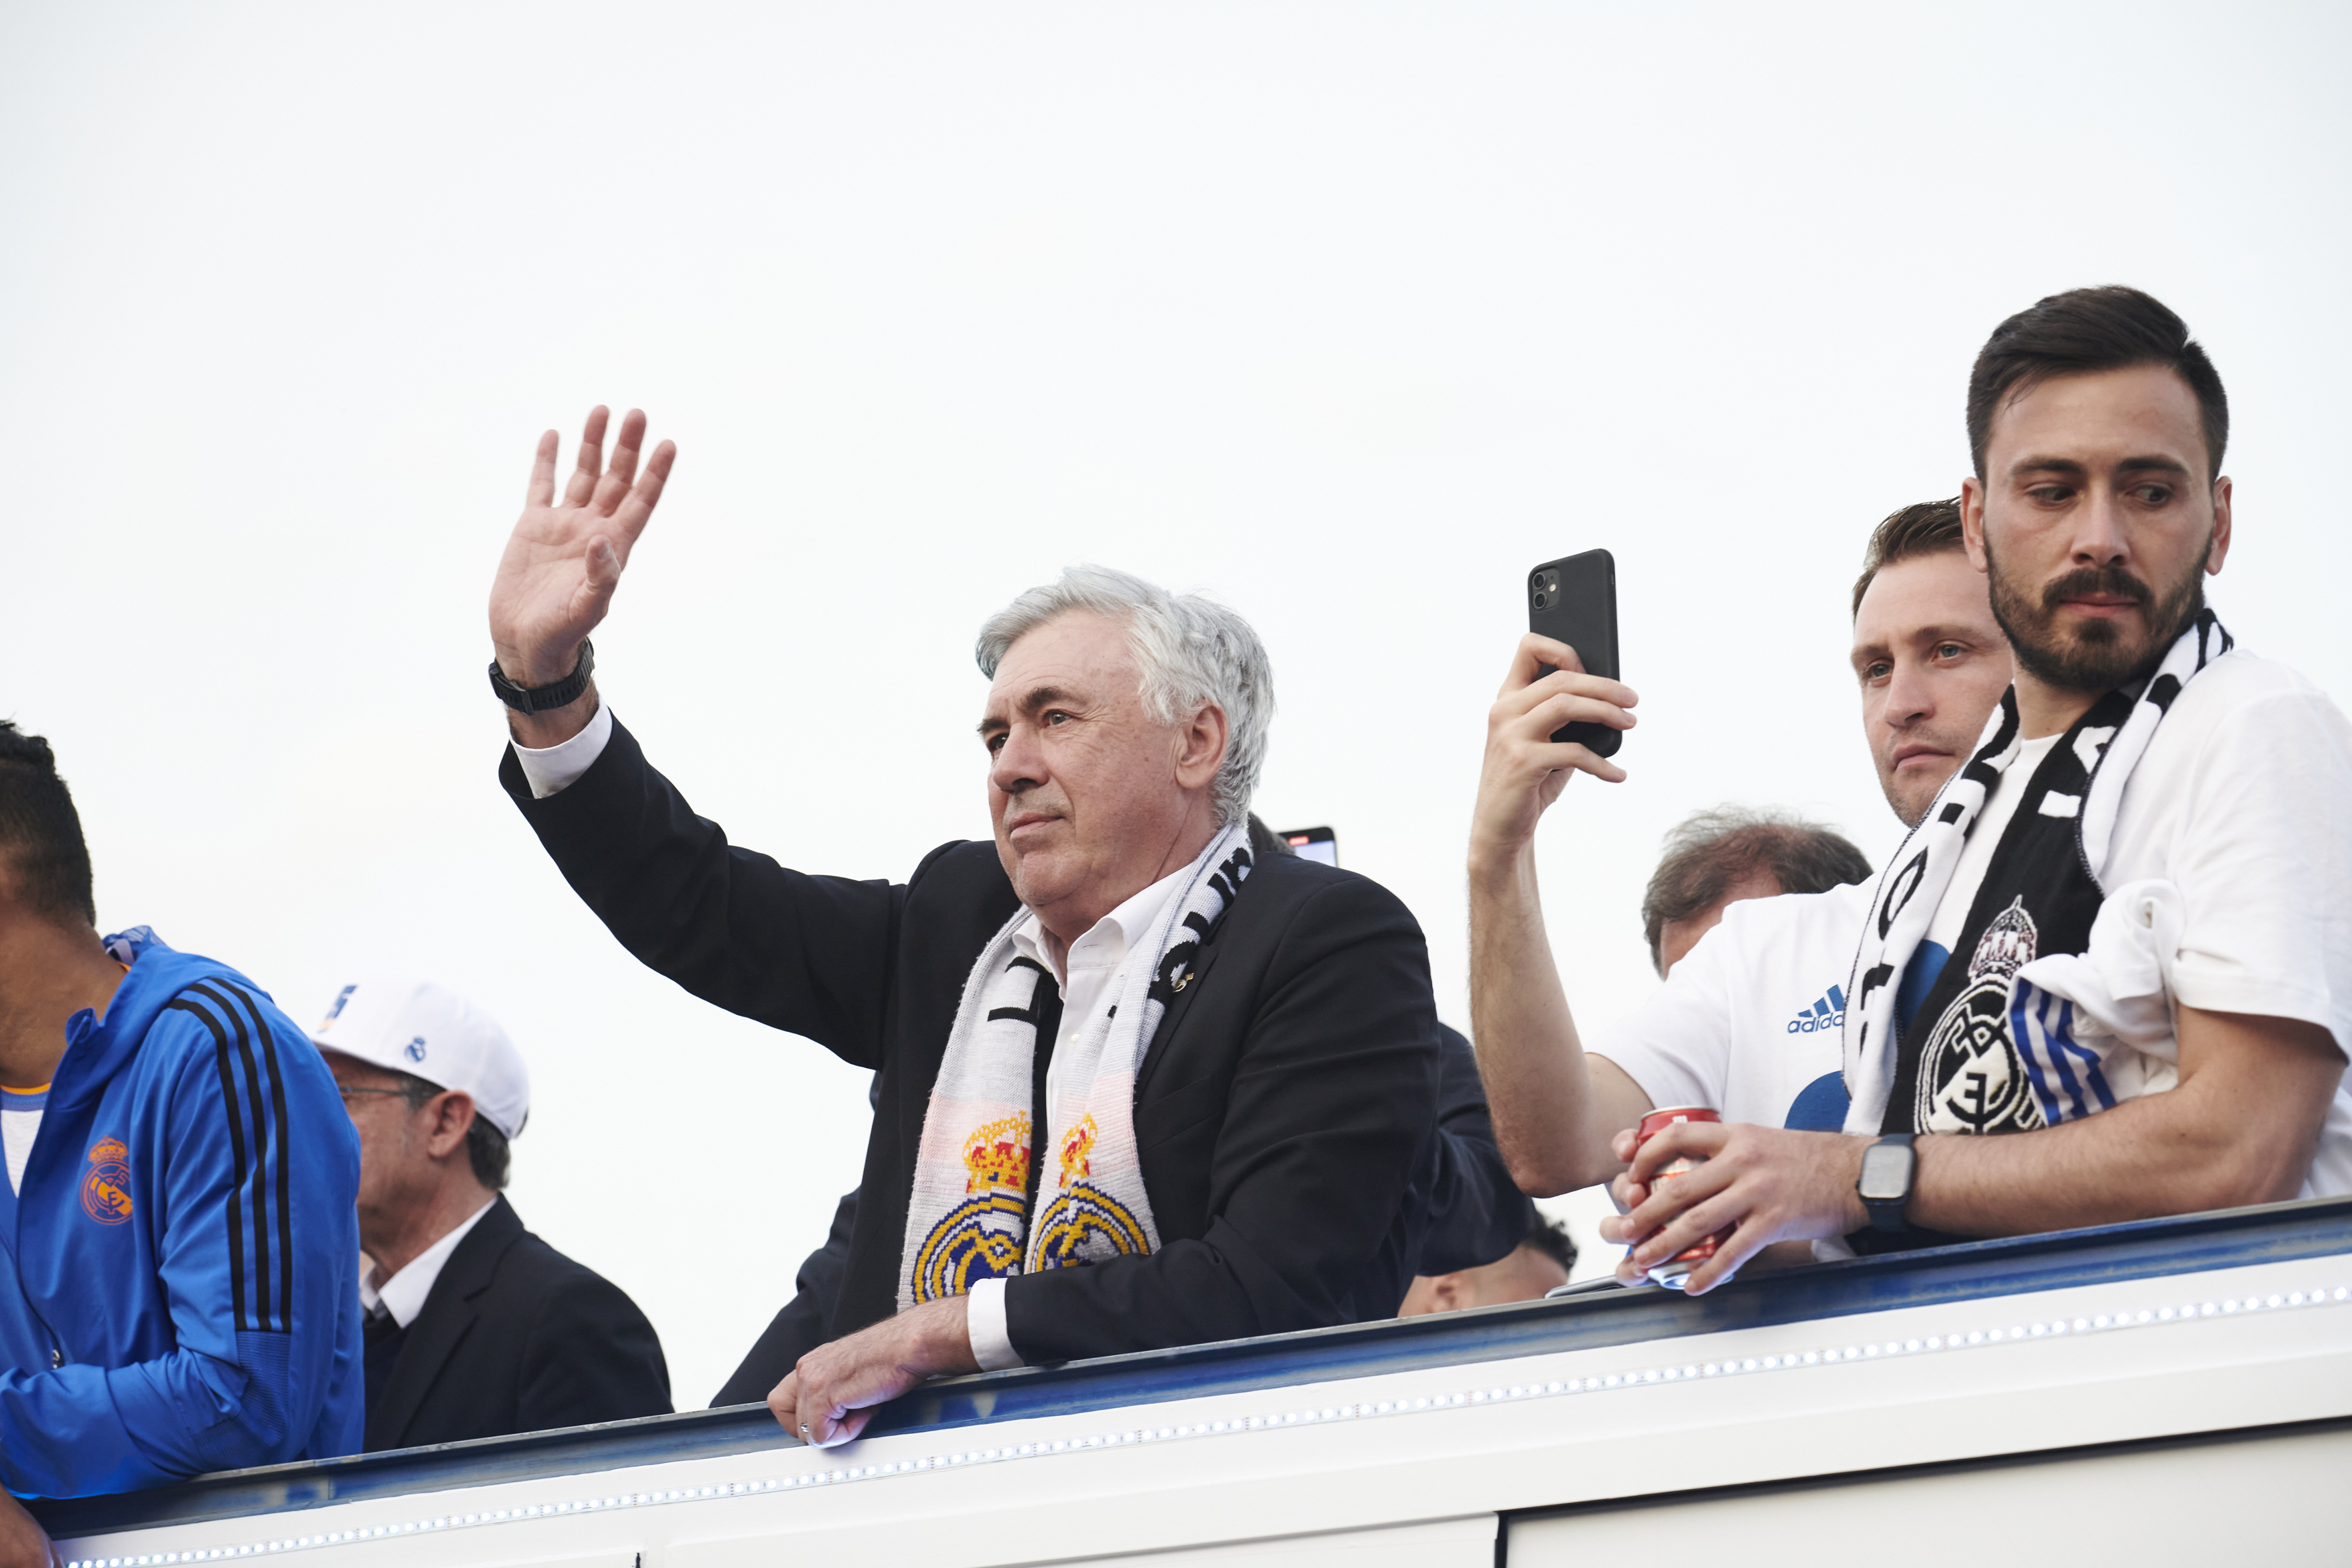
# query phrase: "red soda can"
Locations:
[[1673, 1270]]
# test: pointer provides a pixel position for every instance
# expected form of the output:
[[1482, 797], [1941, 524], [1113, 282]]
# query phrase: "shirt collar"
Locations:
[[403, 1294], [1106, 943]]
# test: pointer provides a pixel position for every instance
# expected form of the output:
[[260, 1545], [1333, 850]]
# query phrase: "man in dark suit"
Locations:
[[475, 1327], [1472, 1216], [1230, 1058]]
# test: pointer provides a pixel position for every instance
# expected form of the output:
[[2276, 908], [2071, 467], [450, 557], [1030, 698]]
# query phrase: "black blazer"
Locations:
[[516, 1337], [1280, 1110], [1472, 1212]]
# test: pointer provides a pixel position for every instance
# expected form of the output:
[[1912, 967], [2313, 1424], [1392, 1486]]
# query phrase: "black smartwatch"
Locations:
[[546, 698], [1890, 1169]]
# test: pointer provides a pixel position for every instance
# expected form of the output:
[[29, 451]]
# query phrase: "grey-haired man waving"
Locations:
[[1140, 1088]]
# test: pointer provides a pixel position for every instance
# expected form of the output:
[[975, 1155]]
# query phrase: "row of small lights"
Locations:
[[1695, 1371]]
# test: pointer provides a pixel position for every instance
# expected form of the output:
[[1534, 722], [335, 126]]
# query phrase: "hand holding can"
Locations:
[[1671, 1272]]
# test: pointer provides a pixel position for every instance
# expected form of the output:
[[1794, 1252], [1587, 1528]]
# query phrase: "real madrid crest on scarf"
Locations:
[[1982, 1055], [1957, 1069], [971, 1216]]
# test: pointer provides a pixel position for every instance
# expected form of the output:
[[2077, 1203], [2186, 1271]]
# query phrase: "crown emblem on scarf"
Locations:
[[996, 1157], [1097, 1204], [1076, 1144], [2008, 944]]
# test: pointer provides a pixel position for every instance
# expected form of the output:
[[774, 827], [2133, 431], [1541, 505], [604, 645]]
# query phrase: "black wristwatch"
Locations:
[[1890, 1169], [546, 698]]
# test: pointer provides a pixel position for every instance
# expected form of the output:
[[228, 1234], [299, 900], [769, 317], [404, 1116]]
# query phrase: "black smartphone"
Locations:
[[1314, 843], [1574, 601]]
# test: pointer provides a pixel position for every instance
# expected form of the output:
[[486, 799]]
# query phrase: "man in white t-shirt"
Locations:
[[1748, 1020], [1809, 885], [2120, 933]]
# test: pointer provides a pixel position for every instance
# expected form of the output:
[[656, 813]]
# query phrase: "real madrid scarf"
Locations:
[[1960, 1066], [970, 1217]]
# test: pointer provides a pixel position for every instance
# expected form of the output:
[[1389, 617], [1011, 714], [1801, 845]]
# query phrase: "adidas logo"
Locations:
[[1827, 1012]]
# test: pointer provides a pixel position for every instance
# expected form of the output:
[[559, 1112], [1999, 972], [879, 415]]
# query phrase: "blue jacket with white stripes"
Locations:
[[180, 1288]]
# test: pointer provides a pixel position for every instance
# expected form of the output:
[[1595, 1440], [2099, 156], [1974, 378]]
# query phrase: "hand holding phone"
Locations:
[[1574, 600], [1539, 712]]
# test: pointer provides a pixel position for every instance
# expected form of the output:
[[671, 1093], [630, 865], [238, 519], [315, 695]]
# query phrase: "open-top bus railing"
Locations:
[[2164, 1390]]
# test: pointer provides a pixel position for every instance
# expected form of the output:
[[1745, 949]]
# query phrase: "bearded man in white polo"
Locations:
[[2107, 977], [475, 1327], [1139, 1088]]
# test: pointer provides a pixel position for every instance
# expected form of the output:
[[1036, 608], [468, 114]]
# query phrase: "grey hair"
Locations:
[[1190, 650]]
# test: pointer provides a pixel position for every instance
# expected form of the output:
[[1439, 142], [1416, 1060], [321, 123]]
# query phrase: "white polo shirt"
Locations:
[[2242, 803], [1749, 1022]]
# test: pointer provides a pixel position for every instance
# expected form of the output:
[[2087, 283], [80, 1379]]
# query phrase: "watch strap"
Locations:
[[1890, 1214], [546, 698]]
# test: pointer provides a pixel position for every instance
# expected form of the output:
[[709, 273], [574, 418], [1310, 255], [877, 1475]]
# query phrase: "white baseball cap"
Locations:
[[430, 1032]]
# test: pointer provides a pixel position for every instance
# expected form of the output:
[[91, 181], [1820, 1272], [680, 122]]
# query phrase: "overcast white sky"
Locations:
[[1347, 313]]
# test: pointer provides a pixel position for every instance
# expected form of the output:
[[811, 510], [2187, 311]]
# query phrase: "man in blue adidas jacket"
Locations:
[[178, 1245]]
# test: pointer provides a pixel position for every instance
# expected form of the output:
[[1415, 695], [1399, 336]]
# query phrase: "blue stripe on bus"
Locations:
[[2230, 1238]]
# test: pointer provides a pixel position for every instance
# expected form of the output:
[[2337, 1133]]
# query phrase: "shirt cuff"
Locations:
[[557, 767], [992, 1341]]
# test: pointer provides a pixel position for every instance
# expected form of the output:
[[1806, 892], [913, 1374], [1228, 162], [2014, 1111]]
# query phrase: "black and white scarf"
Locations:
[[971, 1215], [1985, 1053]]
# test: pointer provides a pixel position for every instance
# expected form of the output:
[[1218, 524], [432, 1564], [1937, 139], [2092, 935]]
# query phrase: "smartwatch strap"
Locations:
[[1889, 1214]]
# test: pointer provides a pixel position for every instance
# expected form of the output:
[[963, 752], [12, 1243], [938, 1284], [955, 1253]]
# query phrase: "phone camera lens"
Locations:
[[1540, 601]]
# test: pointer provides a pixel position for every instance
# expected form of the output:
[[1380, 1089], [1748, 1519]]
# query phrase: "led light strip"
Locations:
[[1642, 1377]]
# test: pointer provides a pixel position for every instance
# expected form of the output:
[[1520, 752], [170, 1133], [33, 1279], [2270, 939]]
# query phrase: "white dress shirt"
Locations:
[[1087, 975], [403, 1294], [553, 768], [1090, 970]]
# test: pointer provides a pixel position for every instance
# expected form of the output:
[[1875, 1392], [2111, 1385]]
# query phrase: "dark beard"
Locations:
[[2101, 655]]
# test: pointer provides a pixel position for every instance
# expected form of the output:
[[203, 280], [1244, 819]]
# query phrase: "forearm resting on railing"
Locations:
[[2240, 1128]]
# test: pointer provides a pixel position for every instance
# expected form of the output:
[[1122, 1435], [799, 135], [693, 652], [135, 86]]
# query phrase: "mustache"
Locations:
[[2111, 579]]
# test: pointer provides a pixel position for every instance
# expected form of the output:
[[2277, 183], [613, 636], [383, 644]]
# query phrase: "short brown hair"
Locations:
[[2085, 330], [1710, 853], [1923, 528]]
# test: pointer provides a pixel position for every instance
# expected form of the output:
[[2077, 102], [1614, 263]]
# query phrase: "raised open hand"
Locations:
[[565, 556]]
